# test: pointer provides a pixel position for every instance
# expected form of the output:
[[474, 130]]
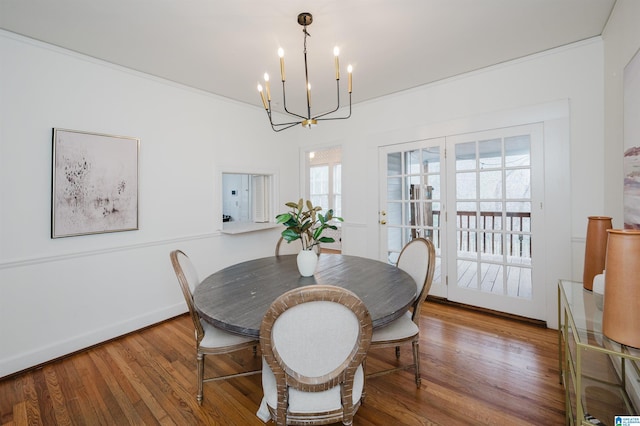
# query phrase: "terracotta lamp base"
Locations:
[[621, 310], [595, 248]]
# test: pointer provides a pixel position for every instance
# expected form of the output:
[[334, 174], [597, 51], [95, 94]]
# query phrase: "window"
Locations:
[[247, 199], [325, 179]]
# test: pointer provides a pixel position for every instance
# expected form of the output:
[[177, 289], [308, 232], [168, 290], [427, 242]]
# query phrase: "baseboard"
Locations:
[[442, 300], [44, 355]]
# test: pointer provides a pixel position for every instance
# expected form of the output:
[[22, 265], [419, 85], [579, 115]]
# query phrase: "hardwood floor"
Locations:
[[476, 369]]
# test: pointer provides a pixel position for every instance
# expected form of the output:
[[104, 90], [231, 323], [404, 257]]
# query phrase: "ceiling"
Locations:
[[224, 47]]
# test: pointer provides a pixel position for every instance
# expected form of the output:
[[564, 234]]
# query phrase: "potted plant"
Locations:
[[306, 225]]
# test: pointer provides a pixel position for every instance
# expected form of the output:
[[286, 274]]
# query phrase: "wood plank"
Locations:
[[58, 399], [30, 396], [123, 399], [128, 361], [103, 403], [74, 389]]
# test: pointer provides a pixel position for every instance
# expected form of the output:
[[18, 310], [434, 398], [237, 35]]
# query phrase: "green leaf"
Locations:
[[290, 235], [284, 217]]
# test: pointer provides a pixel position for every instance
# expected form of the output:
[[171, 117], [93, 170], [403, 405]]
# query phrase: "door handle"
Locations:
[[383, 214]]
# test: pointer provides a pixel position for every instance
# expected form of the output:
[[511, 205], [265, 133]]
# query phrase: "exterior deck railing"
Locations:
[[483, 233]]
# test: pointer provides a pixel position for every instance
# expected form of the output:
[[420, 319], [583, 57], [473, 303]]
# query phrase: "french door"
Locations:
[[495, 194], [480, 204], [411, 201]]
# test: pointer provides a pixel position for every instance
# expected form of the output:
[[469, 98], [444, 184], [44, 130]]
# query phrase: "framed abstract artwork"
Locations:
[[631, 191], [94, 183]]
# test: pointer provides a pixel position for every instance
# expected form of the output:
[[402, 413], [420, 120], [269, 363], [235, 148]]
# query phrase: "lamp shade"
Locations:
[[621, 311], [595, 248]]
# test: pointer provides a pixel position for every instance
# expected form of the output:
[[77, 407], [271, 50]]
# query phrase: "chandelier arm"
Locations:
[[337, 118], [284, 103], [273, 126], [337, 106], [278, 127]]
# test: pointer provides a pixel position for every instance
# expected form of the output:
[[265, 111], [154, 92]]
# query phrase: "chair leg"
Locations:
[[416, 361], [364, 382], [200, 377], [398, 352]]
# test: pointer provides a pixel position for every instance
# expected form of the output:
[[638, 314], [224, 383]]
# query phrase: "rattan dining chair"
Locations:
[[418, 259], [314, 340], [209, 339]]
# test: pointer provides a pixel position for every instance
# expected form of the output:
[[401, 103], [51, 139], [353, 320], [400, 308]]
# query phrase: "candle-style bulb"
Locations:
[[350, 70], [264, 102], [281, 55], [267, 86], [336, 53]]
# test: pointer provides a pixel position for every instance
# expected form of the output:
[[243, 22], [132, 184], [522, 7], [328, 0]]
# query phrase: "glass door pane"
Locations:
[[493, 198], [411, 205]]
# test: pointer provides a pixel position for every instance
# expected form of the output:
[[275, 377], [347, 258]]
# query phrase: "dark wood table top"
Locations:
[[237, 297]]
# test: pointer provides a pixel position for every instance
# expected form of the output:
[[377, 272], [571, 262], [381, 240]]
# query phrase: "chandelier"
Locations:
[[306, 120]]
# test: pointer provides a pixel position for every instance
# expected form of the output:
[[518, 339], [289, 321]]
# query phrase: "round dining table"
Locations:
[[236, 298]]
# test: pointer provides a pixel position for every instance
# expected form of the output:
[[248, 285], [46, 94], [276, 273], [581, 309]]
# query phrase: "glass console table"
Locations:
[[600, 376]]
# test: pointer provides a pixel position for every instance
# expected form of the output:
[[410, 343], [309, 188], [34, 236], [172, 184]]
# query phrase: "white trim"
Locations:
[[233, 228], [18, 263], [50, 352], [488, 69], [100, 62]]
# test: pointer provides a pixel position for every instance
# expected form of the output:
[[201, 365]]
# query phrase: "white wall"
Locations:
[[60, 295], [574, 188]]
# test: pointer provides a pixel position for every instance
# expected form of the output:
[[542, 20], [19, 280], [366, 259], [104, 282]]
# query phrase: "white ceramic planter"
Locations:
[[307, 262]]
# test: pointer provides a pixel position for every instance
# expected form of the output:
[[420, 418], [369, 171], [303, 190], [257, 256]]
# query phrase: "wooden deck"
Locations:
[[518, 276], [518, 279]]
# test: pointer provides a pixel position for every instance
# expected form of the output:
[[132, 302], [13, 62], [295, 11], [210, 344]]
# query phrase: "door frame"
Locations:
[[555, 117]]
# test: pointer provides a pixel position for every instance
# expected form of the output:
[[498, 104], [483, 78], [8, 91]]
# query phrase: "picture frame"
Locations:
[[631, 135], [94, 183]]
